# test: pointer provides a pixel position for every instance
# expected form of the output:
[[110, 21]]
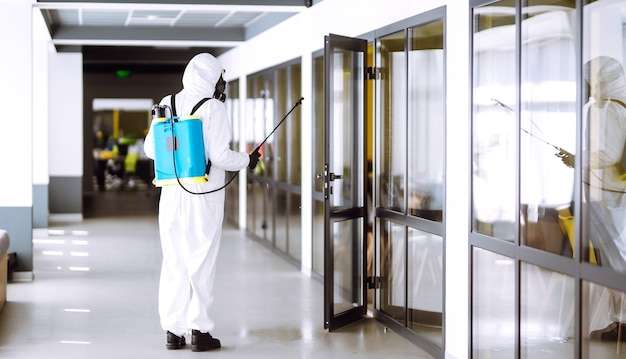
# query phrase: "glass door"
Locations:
[[344, 180]]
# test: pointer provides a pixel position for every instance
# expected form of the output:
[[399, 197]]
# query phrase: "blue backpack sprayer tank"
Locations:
[[179, 147]]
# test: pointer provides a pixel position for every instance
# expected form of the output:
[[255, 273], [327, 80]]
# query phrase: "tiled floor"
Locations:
[[95, 296]]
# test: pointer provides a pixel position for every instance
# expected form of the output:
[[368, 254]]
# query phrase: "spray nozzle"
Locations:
[[160, 111]]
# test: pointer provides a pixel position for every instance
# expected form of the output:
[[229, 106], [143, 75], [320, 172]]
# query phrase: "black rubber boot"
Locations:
[[174, 341], [201, 342]]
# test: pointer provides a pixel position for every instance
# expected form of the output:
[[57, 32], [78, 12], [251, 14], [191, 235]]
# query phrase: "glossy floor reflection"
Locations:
[[95, 296]]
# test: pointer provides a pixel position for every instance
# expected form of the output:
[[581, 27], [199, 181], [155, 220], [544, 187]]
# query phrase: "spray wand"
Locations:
[[564, 155]]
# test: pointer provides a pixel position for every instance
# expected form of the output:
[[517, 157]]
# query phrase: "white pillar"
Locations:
[[16, 139], [65, 113], [41, 46], [457, 179]]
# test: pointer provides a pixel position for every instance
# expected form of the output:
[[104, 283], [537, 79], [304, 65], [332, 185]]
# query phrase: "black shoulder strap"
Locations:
[[173, 100], [197, 106]]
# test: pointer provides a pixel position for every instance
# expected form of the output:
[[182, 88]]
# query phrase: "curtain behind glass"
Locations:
[[604, 187], [494, 121], [426, 122], [548, 124], [393, 140]]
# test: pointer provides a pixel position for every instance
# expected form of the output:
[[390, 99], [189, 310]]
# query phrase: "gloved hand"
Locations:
[[566, 157], [254, 159]]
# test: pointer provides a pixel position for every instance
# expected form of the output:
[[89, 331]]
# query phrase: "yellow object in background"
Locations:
[[107, 155], [130, 162], [566, 222], [260, 168]]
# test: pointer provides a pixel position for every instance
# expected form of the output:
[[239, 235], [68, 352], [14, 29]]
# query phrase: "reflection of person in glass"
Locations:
[[604, 178], [603, 173]]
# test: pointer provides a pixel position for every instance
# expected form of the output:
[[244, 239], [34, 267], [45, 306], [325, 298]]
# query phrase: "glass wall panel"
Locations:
[[604, 317], [268, 115], [318, 163], [252, 135], [318, 237], [393, 138], [347, 281], [294, 127], [232, 191], [345, 160], [280, 147], [548, 123], [572, 101], [294, 233], [426, 121], [261, 217], [281, 135], [493, 305], [393, 269], [494, 169], [318, 121], [425, 284], [269, 97], [604, 134], [281, 218], [547, 313], [410, 171], [269, 213], [255, 109], [250, 205]]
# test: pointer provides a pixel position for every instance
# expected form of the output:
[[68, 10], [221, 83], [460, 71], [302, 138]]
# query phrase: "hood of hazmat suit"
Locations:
[[606, 80], [201, 75], [605, 132]]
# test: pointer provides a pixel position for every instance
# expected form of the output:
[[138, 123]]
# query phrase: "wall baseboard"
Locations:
[[65, 217], [65, 194], [23, 276]]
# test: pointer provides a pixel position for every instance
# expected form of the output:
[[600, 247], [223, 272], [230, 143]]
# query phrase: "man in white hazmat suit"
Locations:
[[190, 225]]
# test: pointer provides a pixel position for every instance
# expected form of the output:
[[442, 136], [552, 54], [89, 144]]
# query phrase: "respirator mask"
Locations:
[[220, 88]]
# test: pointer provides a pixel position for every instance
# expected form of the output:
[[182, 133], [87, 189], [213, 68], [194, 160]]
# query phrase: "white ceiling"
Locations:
[[119, 27]]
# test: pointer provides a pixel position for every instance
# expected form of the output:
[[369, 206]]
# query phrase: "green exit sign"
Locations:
[[122, 74]]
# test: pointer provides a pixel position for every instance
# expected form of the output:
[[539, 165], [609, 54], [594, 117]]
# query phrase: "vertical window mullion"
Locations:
[[407, 43], [518, 80], [578, 251]]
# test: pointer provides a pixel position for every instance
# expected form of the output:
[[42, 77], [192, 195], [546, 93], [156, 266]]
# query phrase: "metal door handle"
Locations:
[[334, 176]]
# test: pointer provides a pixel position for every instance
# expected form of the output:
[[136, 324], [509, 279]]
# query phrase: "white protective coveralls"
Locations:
[[604, 182], [190, 226]]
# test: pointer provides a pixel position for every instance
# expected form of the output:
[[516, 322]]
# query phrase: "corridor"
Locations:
[[95, 296]]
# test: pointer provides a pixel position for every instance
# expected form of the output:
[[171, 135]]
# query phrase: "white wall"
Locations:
[[302, 35], [458, 158], [41, 44], [16, 94], [65, 113]]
